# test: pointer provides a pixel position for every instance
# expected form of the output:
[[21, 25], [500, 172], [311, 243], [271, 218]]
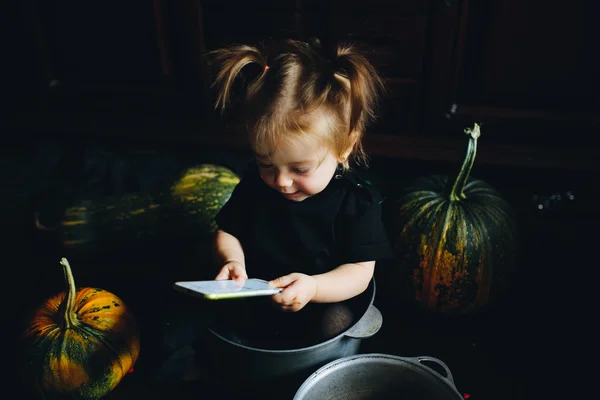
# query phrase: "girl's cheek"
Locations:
[[306, 184]]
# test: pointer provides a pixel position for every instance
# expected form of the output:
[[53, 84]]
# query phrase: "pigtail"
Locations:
[[231, 62], [365, 85]]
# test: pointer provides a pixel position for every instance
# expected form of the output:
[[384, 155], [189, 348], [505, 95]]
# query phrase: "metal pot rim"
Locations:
[[303, 349], [283, 351], [416, 361]]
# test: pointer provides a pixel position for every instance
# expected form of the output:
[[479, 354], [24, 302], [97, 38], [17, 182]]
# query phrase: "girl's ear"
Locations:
[[346, 154], [354, 136]]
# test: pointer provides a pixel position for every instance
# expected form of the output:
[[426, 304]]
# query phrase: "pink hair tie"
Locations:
[[266, 67]]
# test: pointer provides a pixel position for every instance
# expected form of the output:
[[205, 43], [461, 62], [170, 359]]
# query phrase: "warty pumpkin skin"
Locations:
[[456, 240], [78, 344], [197, 196]]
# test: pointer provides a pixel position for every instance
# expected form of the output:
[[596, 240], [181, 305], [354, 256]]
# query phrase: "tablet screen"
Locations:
[[227, 288]]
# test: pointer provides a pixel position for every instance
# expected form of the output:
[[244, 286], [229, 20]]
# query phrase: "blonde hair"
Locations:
[[300, 93]]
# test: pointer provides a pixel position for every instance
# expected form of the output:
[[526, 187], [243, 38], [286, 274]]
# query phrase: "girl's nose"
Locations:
[[282, 180]]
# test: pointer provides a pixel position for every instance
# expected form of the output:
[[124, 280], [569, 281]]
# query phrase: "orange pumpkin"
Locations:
[[79, 344]]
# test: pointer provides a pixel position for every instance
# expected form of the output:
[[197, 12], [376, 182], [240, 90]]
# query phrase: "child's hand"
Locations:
[[232, 270], [298, 290]]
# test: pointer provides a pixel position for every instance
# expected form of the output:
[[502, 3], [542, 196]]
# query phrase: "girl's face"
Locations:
[[298, 170]]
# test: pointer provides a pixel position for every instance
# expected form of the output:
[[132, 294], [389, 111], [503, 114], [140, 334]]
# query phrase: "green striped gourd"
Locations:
[[197, 196], [455, 239], [115, 219]]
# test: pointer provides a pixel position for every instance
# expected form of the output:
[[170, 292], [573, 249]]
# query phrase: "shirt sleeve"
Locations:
[[363, 234]]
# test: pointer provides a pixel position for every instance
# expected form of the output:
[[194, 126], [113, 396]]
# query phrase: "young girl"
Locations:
[[300, 218]]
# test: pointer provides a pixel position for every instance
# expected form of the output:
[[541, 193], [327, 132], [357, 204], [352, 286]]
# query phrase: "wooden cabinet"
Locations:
[[397, 34], [525, 69]]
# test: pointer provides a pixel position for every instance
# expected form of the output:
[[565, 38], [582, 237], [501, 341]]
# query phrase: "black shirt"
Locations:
[[341, 224]]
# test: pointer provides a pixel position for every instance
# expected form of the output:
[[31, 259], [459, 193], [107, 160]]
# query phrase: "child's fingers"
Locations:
[[222, 275], [283, 281], [238, 274]]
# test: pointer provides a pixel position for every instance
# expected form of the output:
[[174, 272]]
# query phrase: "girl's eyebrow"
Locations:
[[262, 156], [301, 162], [266, 158]]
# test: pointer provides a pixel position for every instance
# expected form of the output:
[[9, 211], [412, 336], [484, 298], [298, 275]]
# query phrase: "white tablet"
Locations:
[[226, 289]]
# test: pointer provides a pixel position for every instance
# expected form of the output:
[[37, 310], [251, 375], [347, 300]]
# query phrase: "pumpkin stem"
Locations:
[[68, 304], [457, 192]]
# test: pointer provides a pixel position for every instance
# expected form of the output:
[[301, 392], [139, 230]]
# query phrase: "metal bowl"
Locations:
[[378, 377]]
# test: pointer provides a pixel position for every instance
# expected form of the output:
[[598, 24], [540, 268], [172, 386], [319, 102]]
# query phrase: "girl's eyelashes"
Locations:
[[296, 170], [263, 165]]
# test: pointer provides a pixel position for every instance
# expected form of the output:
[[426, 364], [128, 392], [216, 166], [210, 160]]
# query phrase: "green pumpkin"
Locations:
[[100, 224], [78, 344], [455, 240], [196, 197]]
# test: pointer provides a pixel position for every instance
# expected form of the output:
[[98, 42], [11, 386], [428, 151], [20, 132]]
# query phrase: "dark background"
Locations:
[[110, 97]]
